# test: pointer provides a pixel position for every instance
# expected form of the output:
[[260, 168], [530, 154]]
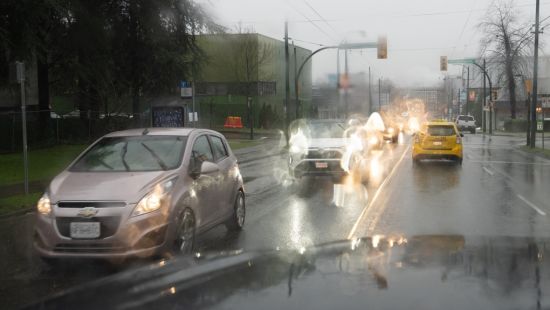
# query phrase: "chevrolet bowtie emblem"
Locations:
[[87, 212]]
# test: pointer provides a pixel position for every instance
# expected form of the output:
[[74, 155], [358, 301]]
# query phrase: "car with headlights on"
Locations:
[[139, 193], [317, 148], [437, 139]]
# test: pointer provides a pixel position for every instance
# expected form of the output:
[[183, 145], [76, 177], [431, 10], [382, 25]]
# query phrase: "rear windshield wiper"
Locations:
[[159, 161]]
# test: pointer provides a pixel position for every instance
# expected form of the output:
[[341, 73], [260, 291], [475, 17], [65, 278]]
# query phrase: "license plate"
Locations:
[[437, 142], [85, 230], [321, 165]]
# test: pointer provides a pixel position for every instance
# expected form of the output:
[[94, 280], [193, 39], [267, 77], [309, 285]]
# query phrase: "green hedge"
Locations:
[[515, 125]]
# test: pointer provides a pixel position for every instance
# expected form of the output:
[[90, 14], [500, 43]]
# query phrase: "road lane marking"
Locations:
[[491, 173], [507, 162], [530, 204], [376, 194]]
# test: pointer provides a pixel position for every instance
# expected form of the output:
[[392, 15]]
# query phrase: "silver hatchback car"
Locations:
[[141, 192]]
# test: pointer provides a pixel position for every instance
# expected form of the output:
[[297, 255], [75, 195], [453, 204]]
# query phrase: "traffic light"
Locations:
[[382, 47], [443, 63]]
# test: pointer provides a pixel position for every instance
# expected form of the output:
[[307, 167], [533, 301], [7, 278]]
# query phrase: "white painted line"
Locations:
[[530, 204], [508, 162], [488, 171], [376, 194], [469, 156]]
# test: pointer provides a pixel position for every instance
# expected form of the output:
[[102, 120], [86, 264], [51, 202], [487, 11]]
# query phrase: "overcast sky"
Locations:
[[418, 31]]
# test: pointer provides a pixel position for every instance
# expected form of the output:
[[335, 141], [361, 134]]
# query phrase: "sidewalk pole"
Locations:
[[21, 78]]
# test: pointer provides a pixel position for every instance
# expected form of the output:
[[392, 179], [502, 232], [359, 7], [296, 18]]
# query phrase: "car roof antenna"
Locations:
[[145, 131]]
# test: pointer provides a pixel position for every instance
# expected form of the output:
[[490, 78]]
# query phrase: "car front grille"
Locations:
[[324, 154], [108, 225], [93, 204]]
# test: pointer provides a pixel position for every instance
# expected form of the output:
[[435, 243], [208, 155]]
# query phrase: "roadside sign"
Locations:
[[539, 126], [461, 61], [186, 90], [462, 95], [545, 102]]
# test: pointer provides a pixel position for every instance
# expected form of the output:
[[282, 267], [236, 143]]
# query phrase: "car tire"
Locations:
[[237, 219], [416, 161], [184, 240], [459, 161]]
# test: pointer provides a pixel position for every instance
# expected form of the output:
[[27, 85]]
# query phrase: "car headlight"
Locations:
[[373, 140], [296, 149], [44, 206], [155, 199]]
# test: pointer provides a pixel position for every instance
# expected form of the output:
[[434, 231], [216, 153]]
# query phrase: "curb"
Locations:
[[17, 213]]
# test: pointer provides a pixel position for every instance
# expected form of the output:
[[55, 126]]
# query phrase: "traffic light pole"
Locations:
[[533, 139], [346, 46]]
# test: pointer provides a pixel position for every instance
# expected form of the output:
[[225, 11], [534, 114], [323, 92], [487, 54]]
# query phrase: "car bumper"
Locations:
[[308, 167], [140, 236], [421, 153]]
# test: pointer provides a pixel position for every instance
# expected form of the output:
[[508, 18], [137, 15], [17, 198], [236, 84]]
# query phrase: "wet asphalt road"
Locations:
[[498, 190]]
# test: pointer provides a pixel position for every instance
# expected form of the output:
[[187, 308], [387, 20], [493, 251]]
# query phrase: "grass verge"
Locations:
[[18, 202], [538, 151], [240, 144], [43, 163]]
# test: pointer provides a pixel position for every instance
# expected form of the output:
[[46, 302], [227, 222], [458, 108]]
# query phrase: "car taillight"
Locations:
[[417, 139], [458, 140]]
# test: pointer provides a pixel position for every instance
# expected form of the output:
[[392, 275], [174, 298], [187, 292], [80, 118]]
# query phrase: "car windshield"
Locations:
[[441, 130], [139, 153], [323, 130]]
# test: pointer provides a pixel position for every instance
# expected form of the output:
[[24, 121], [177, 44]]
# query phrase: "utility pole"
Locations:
[[338, 80], [296, 86], [370, 94], [346, 99], [467, 89], [483, 118], [379, 97], [287, 83], [535, 80], [20, 72]]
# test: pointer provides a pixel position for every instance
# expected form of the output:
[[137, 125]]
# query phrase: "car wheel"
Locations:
[[185, 233], [236, 222], [416, 161]]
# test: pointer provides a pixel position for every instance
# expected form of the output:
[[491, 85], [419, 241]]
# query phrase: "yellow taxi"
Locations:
[[437, 139]]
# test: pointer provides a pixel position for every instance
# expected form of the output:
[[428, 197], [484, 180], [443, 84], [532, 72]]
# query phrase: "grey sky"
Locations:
[[418, 31]]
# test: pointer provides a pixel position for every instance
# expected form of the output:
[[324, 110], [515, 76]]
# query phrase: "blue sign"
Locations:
[[185, 84]]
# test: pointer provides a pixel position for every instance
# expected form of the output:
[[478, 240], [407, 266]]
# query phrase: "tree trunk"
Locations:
[[511, 89]]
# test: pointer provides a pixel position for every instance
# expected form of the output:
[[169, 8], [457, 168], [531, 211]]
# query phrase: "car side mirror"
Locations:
[[205, 167], [209, 167], [461, 134]]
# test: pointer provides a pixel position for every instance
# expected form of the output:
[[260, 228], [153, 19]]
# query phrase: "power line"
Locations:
[[321, 17], [463, 28], [309, 20]]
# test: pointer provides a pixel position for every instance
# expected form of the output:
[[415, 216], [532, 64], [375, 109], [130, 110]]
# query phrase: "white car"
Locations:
[[466, 122]]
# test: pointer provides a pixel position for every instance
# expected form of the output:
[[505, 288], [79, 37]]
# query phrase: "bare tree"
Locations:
[[250, 57], [507, 41]]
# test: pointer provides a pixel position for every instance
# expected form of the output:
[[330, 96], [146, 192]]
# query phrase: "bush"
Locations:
[[515, 125]]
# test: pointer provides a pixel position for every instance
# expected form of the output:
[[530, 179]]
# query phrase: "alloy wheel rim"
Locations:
[[240, 212], [185, 236]]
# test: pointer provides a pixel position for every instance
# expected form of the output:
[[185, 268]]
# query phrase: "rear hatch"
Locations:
[[439, 137]]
